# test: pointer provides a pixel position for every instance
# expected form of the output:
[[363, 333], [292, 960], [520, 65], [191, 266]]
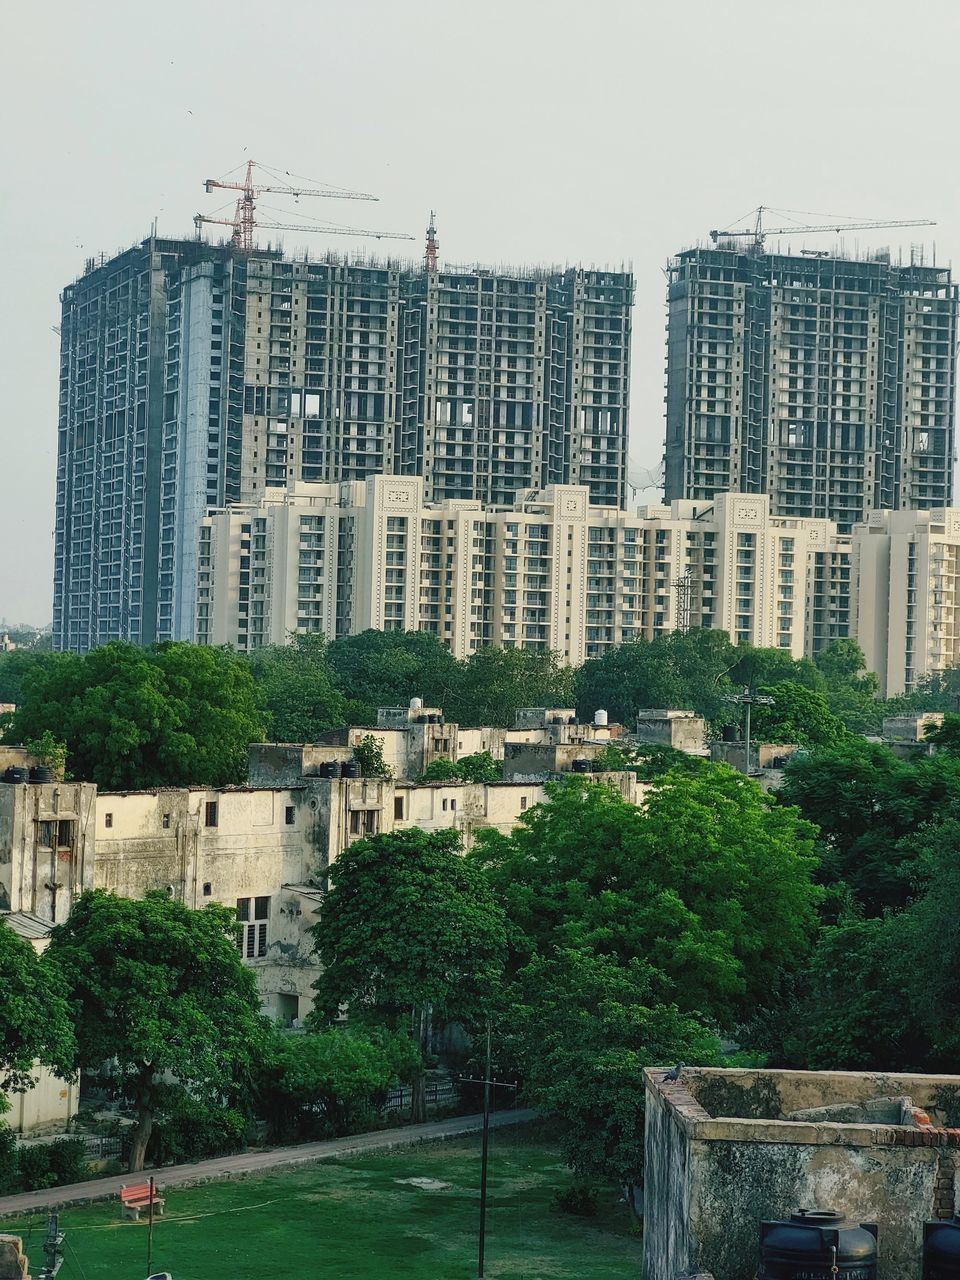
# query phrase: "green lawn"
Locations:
[[356, 1219]]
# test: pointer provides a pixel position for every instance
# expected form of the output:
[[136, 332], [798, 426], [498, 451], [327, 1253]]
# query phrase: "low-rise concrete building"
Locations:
[[682, 730], [727, 1149], [46, 846], [50, 1105]]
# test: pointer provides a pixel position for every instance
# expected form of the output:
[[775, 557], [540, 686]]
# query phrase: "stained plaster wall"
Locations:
[[46, 846], [160, 840], [710, 1180]]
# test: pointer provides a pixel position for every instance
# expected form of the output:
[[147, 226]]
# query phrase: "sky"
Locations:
[[612, 132]]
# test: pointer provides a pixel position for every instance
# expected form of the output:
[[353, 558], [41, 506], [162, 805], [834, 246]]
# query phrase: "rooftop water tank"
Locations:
[[941, 1249], [817, 1244], [600, 719], [416, 704]]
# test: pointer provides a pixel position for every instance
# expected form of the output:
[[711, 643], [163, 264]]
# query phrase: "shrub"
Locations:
[[8, 1161], [68, 1160], [34, 1166], [580, 1199], [190, 1130]]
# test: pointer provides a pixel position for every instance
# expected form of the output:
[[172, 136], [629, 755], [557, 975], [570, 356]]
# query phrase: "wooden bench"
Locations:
[[137, 1197]]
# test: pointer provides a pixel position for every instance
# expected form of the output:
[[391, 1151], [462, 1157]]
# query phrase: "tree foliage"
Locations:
[[798, 715], [478, 767], [158, 990], [587, 1026], [329, 1082], [710, 881], [388, 668], [34, 1020], [296, 689], [648, 760], [408, 930], [173, 715], [368, 753], [493, 683]]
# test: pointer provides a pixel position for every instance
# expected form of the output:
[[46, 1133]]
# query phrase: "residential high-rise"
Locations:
[[827, 383], [193, 376], [551, 571]]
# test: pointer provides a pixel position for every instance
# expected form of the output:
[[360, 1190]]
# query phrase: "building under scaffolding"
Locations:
[[195, 376], [827, 383]]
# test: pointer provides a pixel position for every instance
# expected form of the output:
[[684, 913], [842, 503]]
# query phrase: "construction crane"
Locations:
[[244, 219], [758, 232]]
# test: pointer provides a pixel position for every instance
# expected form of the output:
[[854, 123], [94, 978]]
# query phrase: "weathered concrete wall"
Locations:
[[720, 1158], [46, 846], [682, 730]]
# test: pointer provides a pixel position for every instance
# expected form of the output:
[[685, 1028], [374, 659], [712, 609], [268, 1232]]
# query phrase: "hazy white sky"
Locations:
[[541, 130]]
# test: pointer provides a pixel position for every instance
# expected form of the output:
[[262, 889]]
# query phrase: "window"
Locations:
[[523, 802], [453, 804], [210, 815], [446, 804], [289, 815], [253, 936], [166, 821], [206, 889], [355, 822], [398, 807], [108, 819]]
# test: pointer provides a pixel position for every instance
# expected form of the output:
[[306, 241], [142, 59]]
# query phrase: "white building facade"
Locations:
[[552, 572], [906, 569]]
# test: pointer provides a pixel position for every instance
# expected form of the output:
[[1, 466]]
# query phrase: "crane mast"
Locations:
[[244, 220]]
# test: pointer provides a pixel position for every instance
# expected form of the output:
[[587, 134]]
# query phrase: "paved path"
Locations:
[[252, 1162]]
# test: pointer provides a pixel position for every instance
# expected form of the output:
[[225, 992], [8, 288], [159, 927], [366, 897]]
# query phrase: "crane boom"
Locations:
[[201, 218], [759, 232], [244, 221]]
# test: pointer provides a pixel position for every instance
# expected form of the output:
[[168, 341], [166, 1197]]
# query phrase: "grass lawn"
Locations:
[[358, 1219]]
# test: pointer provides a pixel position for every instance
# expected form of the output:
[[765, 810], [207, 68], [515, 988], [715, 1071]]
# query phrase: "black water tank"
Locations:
[[728, 733], [15, 773], [350, 769], [329, 769], [582, 766], [41, 773], [941, 1250], [812, 1242]]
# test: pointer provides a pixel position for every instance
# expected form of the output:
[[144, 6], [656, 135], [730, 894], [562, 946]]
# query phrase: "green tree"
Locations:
[[478, 767], [296, 688], [174, 715], [14, 669], [851, 690], [328, 1082], [945, 736], [682, 671], [756, 666], [494, 683], [710, 881], [368, 753], [47, 750], [587, 1026], [431, 946], [648, 760], [34, 1020], [868, 803], [799, 715], [388, 668], [158, 990]]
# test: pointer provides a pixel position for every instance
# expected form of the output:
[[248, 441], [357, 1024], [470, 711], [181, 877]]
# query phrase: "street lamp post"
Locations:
[[748, 699]]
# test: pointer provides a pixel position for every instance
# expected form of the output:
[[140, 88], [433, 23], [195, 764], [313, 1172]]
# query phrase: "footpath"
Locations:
[[254, 1162]]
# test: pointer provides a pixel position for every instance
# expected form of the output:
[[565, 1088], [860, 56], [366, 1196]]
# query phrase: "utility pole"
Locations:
[[52, 1249], [488, 1085], [747, 699]]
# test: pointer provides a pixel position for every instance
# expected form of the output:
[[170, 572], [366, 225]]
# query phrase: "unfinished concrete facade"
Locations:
[[726, 1149], [827, 383], [192, 376]]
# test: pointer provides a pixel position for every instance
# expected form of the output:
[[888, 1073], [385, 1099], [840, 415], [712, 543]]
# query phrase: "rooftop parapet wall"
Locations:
[[721, 1156]]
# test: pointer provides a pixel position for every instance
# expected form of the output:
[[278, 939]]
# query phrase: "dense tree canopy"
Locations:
[[867, 802], [494, 683], [158, 990], [388, 668], [34, 1021], [296, 689], [798, 715], [173, 715], [409, 929], [710, 881]]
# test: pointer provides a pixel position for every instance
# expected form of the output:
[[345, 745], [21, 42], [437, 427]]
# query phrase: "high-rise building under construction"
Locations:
[[193, 375], [827, 383]]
